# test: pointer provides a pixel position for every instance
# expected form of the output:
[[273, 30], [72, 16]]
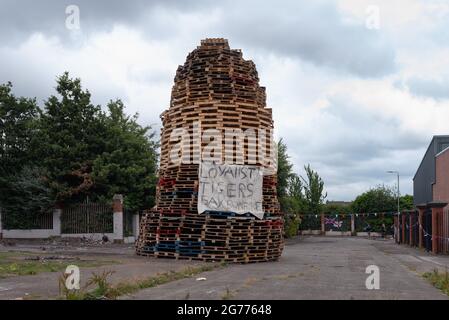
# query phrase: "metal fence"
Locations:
[[128, 229], [337, 222], [87, 218], [27, 221], [374, 222], [310, 222], [354, 222]]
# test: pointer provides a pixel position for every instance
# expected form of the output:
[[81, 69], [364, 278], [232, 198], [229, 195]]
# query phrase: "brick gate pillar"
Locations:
[[409, 219], [323, 228], [421, 209], [403, 227], [353, 224], [410, 229], [57, 214], [1, 227], [437, 213], [117, 207]]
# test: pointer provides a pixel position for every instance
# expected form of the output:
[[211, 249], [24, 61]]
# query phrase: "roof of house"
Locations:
[[444, 151], [436, 137], [339, 203]]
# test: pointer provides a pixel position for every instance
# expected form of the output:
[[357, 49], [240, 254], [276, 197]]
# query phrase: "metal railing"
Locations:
[[87, 218]]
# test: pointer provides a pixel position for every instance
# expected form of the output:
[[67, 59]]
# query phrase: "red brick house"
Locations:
[[431, 197], [441, 185]]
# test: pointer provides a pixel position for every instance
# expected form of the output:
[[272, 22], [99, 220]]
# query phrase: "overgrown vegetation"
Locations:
[[332, 208], [23, 264], [103, 289], [297, 194], [291, 227], [228, 294], [381, 199], [438, 280], [71, 149]]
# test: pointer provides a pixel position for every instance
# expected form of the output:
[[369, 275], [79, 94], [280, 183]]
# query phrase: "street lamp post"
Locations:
[[399, 209]]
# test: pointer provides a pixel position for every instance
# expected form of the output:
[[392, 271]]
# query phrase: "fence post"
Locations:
[[57, 221], [403, 228], [437, 210], [1, 227], [136, 226], [323, 228], [421, 209], [118, 217], [353, 224]]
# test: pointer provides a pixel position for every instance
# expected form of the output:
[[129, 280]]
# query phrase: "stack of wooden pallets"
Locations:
[[220, 90], [211, 236]]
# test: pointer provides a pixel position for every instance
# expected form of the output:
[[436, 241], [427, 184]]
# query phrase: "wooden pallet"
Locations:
[[217, 87]]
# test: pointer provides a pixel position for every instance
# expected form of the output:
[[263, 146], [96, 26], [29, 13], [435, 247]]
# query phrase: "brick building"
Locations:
[[432, 177], [441, 185], [431, 196]]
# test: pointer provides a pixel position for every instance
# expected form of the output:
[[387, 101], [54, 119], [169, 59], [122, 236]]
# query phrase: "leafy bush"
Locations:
[[438, 280], [291, 226]]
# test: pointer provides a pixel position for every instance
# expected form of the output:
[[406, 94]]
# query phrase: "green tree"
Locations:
[[330, 208], [297, 194], [289, 191], [71, 150], [406, 202], [17, 131], [128, 163], [295, 186], [28, 194], [376, 200], [73, 133], [313, 191], [24, 190], [294, 201], [96, 154], [284, 170]]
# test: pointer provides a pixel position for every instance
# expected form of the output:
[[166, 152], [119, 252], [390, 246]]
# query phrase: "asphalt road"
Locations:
[[310, 268], [315, 268]]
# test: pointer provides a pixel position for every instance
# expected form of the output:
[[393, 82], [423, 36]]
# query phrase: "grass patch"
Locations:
[[228, 294], [439, 280], [104, 290], [16, 264]]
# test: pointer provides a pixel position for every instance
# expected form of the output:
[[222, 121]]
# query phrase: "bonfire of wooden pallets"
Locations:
[[219, 89]]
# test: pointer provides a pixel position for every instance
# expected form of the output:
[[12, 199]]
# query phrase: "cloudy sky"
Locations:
[[357, 87]]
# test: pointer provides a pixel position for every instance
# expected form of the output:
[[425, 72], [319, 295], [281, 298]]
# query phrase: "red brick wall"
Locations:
[[441, 187]]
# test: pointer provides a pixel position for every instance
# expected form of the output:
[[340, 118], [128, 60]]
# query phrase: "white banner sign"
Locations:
[[230, 188]]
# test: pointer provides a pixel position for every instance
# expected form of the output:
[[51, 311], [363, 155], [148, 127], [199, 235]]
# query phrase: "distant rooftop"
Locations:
[[434, 138], [339, 203]]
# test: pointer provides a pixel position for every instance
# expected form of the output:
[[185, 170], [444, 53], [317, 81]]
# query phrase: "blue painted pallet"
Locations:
[[148, 249], [225, 214], [189, 243], [221, 214], [165, 246]]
